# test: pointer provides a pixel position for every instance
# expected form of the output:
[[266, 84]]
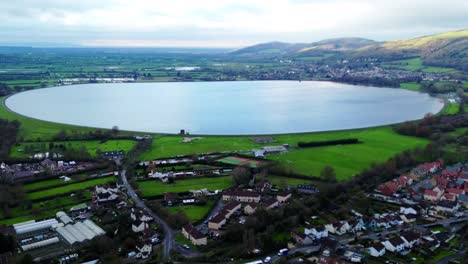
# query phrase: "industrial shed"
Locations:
[[33, 226], [39, 244], [79, 232], [63, 217]]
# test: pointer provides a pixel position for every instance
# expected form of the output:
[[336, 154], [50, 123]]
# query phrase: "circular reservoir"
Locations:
[[225, 108]]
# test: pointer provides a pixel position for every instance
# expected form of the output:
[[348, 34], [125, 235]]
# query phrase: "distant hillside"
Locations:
[[449, 49], [338, 44], [269, 48]]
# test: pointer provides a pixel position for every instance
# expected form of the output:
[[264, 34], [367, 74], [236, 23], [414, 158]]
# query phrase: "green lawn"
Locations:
[[68, 188], [153, 188], [412, 86], [451, 109], [91, 146], [194, 212]]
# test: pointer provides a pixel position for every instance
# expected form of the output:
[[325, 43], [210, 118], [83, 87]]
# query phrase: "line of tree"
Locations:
[[432, 124], [8, 131], [344, 141]]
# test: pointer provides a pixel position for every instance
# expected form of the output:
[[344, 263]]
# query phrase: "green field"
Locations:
[[379, 144], [68, 188], [91, 146], [451, 109], [153, 188], [29, 187], [43, 209], [416, 64], [44, 184], [195, 213], [412, 86]]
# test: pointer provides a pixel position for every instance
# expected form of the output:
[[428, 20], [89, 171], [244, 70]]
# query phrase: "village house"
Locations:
[[263, 185], [376, 249], [338, 228], [447, 207], [232, 208], [139, 226], [463, 199], [250, 208], [410, 239], [217, 221], [49, 164], [106, 195], [283, 197], [318, 232], [408, 218], [302, 239], [370, 223], [357, 225], [432, 195], [194, 235], [388, 188], [271, 204], [407, 210], [239, 195], [395, 244]]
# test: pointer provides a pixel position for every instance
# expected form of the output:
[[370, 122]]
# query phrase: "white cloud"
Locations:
[[224, 22]]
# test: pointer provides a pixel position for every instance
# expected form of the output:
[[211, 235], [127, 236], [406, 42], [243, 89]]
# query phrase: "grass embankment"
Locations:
[[412, 86], [72, 187], [154, 188], [379, 144], [33, 129], [195, 213], [91, 146]]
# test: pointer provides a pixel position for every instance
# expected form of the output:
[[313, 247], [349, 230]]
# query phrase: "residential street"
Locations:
[[168, 232]]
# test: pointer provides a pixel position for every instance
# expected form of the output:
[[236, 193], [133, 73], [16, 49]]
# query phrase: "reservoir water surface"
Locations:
[[224, 108]]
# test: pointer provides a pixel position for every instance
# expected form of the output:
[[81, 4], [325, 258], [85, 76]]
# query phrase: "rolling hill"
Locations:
[[449, 49]]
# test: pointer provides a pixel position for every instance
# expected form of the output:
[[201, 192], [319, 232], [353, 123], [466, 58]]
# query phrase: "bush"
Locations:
[[328, 143]]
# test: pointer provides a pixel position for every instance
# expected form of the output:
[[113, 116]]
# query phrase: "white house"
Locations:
[[318, 232], [376, 249], [395, 244], [357, 225], [411, 239], [407, 210], [338, 228], [139, 226]]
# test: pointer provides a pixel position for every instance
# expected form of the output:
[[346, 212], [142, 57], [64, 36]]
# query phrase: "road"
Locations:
[[448, 258], [168, 241], [305, 249]]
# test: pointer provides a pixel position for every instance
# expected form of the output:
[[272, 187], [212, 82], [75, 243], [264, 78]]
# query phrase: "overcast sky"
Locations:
[[221, 23]]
